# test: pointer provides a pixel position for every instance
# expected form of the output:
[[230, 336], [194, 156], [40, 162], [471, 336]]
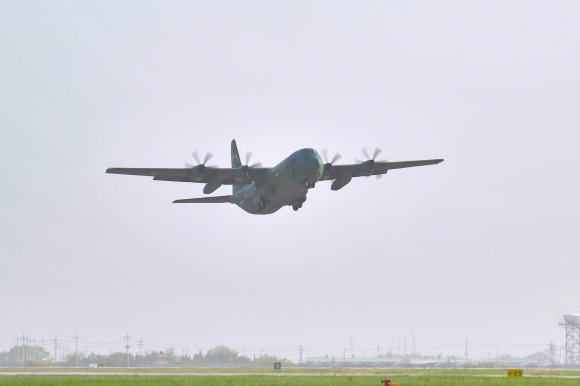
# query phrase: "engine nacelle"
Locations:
[[213, 185], [367, 168], [341, 181], [197, 173], [241, 174]]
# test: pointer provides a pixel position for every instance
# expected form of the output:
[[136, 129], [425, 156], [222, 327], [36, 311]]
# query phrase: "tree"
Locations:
[[539, 357], [268, 361], [24, 355], [171, 357], [119, 359], [225, 355], [199, 358]]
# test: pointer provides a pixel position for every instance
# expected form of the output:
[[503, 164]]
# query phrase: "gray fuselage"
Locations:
[[285, 184]]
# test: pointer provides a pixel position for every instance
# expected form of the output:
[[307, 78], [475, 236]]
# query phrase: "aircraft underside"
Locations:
[[268, 200]]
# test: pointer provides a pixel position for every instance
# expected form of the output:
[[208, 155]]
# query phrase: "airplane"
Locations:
[[260, 190]]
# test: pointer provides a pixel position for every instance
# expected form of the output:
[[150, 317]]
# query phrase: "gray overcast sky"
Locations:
[[483, 247]]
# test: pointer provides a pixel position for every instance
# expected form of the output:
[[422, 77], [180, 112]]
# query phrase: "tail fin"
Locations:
[[236, 162]]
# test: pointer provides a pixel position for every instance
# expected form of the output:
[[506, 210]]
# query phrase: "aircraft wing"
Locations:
[[199, 173], [370, 168]]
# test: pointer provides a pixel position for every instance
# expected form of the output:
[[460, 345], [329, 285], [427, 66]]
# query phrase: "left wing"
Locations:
[[370, 168], [199, 173]]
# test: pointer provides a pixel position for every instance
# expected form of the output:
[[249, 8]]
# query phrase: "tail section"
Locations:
[[236, 163]]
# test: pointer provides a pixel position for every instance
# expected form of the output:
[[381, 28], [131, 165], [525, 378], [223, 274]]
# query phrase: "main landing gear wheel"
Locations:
[[298, 204], [262, 204]]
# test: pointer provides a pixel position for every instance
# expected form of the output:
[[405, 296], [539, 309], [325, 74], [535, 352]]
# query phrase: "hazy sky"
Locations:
[[484, 247]]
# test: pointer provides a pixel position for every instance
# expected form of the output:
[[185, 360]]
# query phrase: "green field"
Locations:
[[253, 376], [258, 380]]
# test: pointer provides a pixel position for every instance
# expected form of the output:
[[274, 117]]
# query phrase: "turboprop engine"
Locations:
[[197, 173]]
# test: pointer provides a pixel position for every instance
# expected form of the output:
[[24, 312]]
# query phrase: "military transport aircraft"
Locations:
[[260, 190]]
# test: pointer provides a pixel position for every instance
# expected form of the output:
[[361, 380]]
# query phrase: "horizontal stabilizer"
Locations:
[[205, 200], [409, 164], [183, 172]]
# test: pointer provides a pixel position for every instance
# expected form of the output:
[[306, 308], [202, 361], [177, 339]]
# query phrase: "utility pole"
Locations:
[[55, 347], [23, 349], [42, 343], [127, 346], [301, 349], [399, 345], [140, 345], [29, 345], [351, 348], [76, 338], [552, 353]]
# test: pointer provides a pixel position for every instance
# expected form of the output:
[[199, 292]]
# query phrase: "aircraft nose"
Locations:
[[316, 166]]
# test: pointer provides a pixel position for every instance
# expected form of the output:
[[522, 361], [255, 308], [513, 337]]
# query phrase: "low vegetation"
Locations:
[[38, 356], [334, 377], [270, 380]]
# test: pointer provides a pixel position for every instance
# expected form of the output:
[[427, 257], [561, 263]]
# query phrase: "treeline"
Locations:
[[26, 355]]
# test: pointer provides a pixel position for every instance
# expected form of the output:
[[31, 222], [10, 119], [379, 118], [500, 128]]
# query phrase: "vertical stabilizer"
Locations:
[[236, 162]]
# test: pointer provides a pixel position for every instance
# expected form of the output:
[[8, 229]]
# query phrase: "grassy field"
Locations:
[[259, 380], [342, 377]]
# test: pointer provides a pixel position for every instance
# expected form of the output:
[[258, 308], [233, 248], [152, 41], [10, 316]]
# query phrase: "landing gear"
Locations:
[[310, 185], [261, 204], [298, 203]]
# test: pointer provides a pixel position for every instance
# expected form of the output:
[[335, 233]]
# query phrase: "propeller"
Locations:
[[375, 154], [248, 158], [369, 165], [242, 172], [197, 172], [328, 164], [196, 158], [336, 157]]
